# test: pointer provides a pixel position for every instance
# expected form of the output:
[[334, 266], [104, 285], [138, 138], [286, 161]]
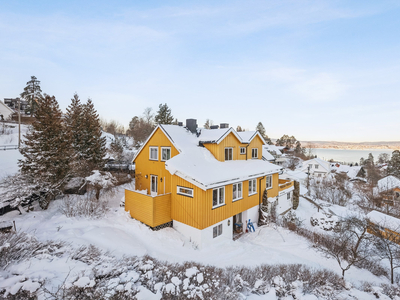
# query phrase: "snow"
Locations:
[[104, 180], [388, 183], [247, 136], [266, 155], [273, 149], [384, 220], [84, 282]]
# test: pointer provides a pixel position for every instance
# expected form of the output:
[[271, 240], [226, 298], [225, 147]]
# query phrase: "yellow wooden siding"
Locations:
[[255, 143], [198, 211], [285, 184], [145, 166], [274, 191], [218, 150], [152, 211]]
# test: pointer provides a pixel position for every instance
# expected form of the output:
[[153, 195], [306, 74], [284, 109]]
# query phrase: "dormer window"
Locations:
[[228, 153], [254, 153]]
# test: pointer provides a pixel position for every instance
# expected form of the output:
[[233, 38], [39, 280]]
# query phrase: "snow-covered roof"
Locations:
[[388, 183], [215, 135], [272, 148], [266, 155], [351, 172], [5, 110], [248, 136], [384, 220], [324, 164]]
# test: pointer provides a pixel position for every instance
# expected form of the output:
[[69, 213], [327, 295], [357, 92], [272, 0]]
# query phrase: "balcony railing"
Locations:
[[285, 184]]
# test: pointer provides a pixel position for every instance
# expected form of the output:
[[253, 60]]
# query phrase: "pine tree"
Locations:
[[46, 148], [93, 145], [32, 94], [74, 123], [394, 164], [164, 115], [260, 128], [117, 148]]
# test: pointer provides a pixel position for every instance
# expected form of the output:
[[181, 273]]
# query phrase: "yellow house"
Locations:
[[206, 183]]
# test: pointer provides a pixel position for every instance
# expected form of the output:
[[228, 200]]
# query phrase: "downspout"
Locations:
[[246, 150]]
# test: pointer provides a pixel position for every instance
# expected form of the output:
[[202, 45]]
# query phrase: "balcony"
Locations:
[[153, 211], [285, 184]]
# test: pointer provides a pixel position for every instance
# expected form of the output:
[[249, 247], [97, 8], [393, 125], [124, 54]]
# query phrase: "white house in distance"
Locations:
[[317, 167], [5, 111]]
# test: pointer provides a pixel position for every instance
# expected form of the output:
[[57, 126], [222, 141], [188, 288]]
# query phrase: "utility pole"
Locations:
[[19, 123]]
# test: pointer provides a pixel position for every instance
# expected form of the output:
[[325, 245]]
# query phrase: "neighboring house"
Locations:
[[389, 189], [352, 172], [13, 104], [5, 112], [388, 226], [316, 167], [275, 152], [206, 183]]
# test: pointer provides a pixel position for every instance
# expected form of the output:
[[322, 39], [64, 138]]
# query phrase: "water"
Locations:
[[348, 156]]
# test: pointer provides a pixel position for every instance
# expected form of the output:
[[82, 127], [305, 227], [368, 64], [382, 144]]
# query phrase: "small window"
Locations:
[[165, 153], [228, 153], [254, 153], [252, 187], [217, 230], [237, 191], [268, 182], [288, 196], [218, 197], [154, 153], [185, 191], [316, 166], [242, 150]]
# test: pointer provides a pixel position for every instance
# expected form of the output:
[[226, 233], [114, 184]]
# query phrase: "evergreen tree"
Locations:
[[46, 149], [93, 145], [117, 148], [32, 94], [287, 141], [207, 124], [394, 164], [74, 124], [164, 115], [260, 128], [239, 128]]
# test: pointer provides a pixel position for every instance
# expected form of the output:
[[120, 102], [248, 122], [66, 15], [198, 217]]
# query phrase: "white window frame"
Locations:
[[231, 150], [217, 231], [184, 191], [316, 166], [242, 150], [254, 150], [252, 187], [153, 148], [268, 179], [162, 151], [220, 202], [151, 183], [238, 195]]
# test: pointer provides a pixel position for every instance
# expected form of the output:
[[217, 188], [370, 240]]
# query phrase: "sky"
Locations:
[[319, 70]]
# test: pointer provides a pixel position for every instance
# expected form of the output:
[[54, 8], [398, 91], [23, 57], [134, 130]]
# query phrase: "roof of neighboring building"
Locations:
[[384, 220], [198, 166], [272, 148], [266, 155], [324, 164], [5, 110], [388, 183]]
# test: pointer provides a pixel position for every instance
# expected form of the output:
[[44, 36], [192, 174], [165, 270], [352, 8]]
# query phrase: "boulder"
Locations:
[[76, 185]]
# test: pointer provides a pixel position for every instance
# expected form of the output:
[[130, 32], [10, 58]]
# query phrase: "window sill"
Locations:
[[268, 188], [153, 159], [253, 194], [214, 207], [234, 200]]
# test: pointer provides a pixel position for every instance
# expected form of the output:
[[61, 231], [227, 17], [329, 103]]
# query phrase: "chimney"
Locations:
[[224, 125], [214, 127], [191, 124]]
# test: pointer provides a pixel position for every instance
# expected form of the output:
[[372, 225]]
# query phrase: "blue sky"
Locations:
[[318, 70]]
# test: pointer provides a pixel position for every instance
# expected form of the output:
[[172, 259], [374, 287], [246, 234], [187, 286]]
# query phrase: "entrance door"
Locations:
[[153, 183]]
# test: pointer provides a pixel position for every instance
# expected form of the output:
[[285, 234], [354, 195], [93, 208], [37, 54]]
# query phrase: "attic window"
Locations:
[[153, 153], [316, 166], [165, 153], [254, 153]]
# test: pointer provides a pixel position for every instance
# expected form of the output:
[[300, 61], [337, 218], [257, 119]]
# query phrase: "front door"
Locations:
[[153, 183]]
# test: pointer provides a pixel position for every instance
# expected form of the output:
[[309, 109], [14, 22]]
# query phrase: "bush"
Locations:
[[85, 206]]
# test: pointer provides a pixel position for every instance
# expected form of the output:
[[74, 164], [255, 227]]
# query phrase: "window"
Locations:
[[310, 166], [185, 191], [254, 153], [252, 187], [218, 197], [237, 191], [228, 153], [319, 175], [268, 181], [242, 150], [153, 183], [397, 194], [288, 196], [165, 153], [316, 166], [217, 230], [154, 153]]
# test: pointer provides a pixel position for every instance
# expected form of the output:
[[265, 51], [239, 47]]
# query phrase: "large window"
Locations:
[[154, 153], [218, 197], [252, 186], [228, 153], [237, 191], [153, 183], [254, 153], [185, 191], [217, 230], [165, 153], [242, 150], [268, 184]]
